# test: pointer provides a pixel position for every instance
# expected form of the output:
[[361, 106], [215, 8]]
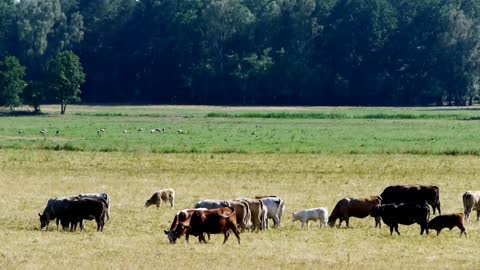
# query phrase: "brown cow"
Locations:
[[448, 221], [181, 216], [243, 214], [351, 207], [220, 220], [256, 210]]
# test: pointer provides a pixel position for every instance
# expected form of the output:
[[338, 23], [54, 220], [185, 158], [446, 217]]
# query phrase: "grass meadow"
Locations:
[[311, 157]]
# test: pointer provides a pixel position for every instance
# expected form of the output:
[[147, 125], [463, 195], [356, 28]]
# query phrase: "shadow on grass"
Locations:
[[20, 113]]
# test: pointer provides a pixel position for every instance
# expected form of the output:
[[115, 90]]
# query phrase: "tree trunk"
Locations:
[[63, 108]]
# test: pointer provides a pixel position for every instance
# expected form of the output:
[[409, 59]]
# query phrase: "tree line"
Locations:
[[240, 52]]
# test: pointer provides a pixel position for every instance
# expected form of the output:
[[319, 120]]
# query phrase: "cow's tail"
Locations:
[[281, 211]]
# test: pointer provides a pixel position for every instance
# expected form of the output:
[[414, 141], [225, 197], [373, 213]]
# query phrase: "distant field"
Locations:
[[450, 131], [311, 157]]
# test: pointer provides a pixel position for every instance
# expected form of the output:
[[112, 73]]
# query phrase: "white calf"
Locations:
[[312, 214]]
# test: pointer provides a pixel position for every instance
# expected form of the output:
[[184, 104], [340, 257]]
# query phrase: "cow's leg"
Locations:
[[396, 229], [98, 221], [57, 221], [82, 225], [158, 204], [303, 224], [171, 202], [391, 229], [226, 234], [378, 222], [308, 225], [347, 220], [478, 214], [187, 237], [276, 221]]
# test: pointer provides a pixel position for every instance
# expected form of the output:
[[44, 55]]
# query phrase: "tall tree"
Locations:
[[11, 81], [66, 78]]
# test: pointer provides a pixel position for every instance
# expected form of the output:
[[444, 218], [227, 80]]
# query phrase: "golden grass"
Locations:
[[134, 239]]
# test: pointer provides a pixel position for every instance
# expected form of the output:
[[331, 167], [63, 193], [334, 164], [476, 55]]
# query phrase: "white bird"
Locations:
[[180, 131], [102, 130], [153, 131], [20, 132], [43, 132], [140, 129], [125, 131]]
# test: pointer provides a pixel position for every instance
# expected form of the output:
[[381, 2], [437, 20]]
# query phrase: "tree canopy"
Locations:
[[250, 52]]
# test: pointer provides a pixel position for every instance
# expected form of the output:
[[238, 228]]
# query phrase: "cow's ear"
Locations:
[[166, 232], [39, 215]]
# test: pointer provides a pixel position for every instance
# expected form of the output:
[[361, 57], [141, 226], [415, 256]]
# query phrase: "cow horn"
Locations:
[[39, 215], [166, 232]]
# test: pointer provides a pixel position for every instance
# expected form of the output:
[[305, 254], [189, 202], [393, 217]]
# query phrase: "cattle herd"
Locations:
[[396, 205]]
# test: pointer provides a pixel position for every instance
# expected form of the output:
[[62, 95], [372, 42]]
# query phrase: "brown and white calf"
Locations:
[[162, 195]]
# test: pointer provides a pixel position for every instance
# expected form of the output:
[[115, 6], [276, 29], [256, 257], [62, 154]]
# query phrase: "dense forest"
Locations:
[[241, 52]]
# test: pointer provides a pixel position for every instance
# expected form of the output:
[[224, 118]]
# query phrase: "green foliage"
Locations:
[[11, 81], [66, 78], [262, 52]]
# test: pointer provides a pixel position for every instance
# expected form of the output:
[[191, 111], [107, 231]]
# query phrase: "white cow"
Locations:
[[102, 196], [275, 209], [314, 214], [471, 202], [162, 195]]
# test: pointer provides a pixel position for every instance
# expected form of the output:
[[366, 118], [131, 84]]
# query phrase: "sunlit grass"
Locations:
[[134, 237]]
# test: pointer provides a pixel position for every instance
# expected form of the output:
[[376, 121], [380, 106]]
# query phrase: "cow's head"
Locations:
[[180, 230], [44, 220], [148, 203]]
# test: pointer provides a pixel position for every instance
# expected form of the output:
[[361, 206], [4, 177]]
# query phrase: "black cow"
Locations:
[[412, 194], [56, 209], [403, 213], [74, 210]]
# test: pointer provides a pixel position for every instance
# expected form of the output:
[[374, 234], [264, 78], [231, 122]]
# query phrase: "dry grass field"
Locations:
[[134, 238]]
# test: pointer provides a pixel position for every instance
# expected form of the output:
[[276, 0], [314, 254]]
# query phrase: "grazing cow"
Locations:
[[75, 210], [212, 204], [161, 195], [101, 196], [275, 209], [311, 214], [412, 194], [243, 214], [220, 220], [256, 210], [448, 221], [87, 208], [470, 202], [351, 207], [181, 216], [55, 209], [403, 213]]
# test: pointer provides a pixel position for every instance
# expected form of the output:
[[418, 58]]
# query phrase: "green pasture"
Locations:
[[207, 129]]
